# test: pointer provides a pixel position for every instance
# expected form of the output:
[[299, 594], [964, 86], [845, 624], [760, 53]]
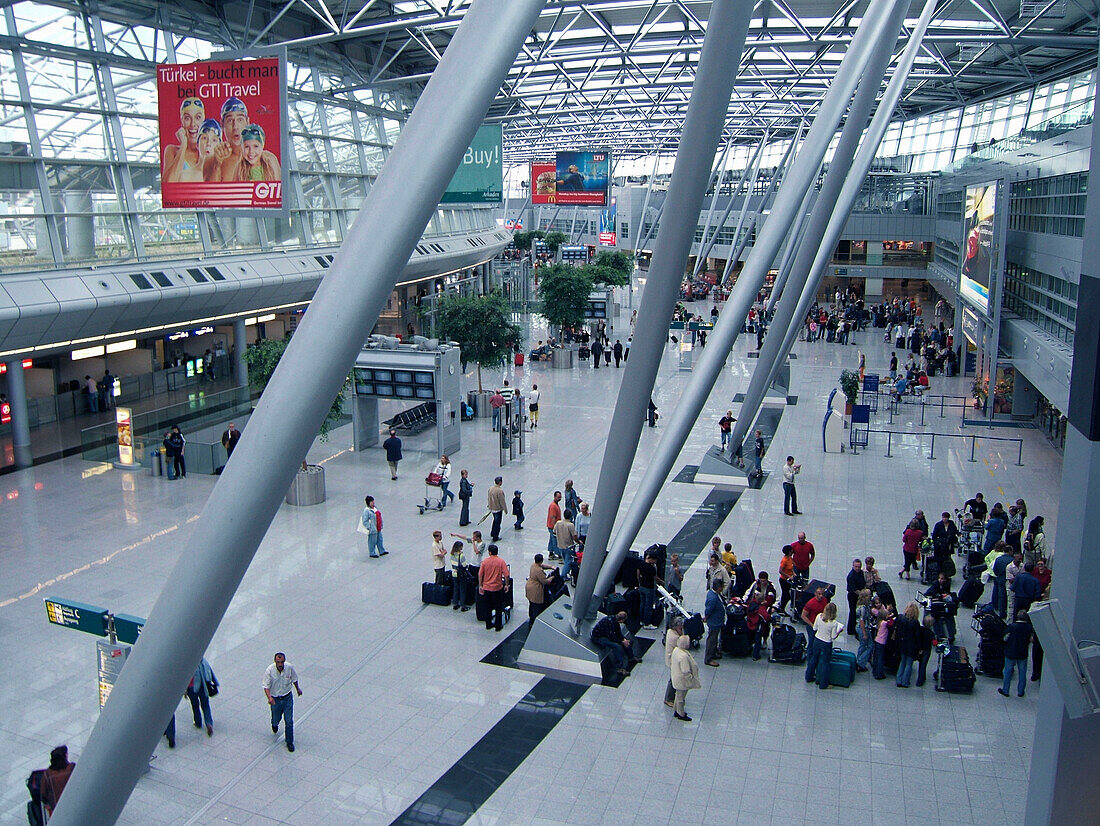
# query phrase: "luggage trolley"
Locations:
[[433, 494]]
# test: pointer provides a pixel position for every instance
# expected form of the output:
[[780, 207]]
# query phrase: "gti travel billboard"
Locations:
[[978, 224], [221, 133], [582, 177], [479, 178]]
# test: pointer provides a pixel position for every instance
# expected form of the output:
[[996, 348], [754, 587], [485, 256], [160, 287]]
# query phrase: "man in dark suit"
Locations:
[[230, 439]]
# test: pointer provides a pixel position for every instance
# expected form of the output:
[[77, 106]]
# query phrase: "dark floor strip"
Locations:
[[686, 474], [691, 539], [463, 789]]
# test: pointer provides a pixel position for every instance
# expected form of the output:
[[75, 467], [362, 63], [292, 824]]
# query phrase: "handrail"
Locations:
[[932, 451]]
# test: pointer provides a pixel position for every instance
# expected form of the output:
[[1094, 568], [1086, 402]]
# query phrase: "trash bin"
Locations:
[[156, 462]]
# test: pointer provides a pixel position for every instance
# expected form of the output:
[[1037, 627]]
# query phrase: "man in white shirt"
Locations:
[[790, 496], [279, 680]]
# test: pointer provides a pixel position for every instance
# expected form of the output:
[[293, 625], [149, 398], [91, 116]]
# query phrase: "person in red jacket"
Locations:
[[803, 553]]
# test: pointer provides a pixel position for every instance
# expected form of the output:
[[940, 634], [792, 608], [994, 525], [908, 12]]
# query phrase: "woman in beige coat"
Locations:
[[685, 675], [675, 630]]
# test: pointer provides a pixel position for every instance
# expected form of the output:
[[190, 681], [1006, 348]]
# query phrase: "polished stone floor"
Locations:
[[398, 703]]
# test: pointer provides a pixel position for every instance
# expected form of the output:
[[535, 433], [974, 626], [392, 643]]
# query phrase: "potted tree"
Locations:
[[554, 240], [483, 328], [262, 358], [849, 386], [612, 268], [563, 299]]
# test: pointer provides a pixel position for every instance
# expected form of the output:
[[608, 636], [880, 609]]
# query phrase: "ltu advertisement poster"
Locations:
[[607, 226], [978, 220], [221, 125], [543, 183], [582, 178]]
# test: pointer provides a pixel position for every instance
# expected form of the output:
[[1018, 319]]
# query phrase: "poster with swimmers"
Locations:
[[221, 133]]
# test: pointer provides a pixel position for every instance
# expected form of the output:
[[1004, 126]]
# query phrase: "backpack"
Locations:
[[36, 807]]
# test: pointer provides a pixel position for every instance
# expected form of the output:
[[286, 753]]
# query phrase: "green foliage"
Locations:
[[523, 239], [602, 274], [616, 260], [263, 357], [554, 240], [482, 326], [563, 294], [849, 385]]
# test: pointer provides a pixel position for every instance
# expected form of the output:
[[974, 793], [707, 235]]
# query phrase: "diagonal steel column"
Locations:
[[286, 421], [752, 168], [739, 242], [700, 259], [826, 223], [718, 61], [720, 341]]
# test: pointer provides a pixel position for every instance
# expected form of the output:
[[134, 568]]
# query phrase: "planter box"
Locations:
[[308, 487], [479, 401], [563, 358]]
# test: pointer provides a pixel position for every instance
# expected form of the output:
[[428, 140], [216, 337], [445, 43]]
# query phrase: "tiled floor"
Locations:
[[395, 693]]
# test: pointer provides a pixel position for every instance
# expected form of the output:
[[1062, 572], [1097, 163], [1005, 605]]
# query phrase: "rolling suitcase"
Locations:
[[970, 592], [788, 645], [885, 593], [432, 594], [736, 639], [694, 627], [955, 673], [991, 658], [743, 576], [842, 668], [612, 604]]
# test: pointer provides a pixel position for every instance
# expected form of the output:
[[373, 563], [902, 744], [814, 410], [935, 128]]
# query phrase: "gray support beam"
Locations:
[[20, 423], [286, 421], [796, 241], [720, 341], [1061, 786], [240, 345], [701, 259], [830, 213], [752, 169], [740, 243], [718, 62], [638, 239]]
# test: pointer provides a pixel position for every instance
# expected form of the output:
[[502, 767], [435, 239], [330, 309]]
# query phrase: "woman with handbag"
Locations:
[[685, 676], [202, 687], [443, 471]]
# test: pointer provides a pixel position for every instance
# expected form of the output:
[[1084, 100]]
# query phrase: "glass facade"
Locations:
[[1047, 301], [1055, 206], [79, 148]]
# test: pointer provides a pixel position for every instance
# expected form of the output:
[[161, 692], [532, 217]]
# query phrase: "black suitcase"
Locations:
[[736, 639], [885, 593], [694, 627], [970, 592], [481, 607], [955, 673], [432, 594], [661, 553], [990, 627], [806, 594], [612, 604], [788, 645], [555, 586], [991, 658], [743, 576]]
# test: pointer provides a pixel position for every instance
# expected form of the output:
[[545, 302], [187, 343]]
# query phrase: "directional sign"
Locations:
[[87, 618], [110, 656], [128, 627]]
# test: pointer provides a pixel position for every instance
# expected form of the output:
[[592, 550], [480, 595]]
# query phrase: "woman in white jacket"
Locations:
[[444, 471], [671, 636], [685, 675]]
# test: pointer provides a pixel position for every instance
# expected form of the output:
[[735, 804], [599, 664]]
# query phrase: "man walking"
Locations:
[[803, 554], [492, 583], [758, 453], [497, 504], [392, 446], [229, 440], [790, 496], [565, 538], [725, 427], [496, 401], [279, 679], [553, 515]]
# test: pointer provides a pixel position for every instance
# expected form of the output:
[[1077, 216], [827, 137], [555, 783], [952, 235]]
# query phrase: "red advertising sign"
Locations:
[[607, 239], [5, 412], [544, 183], [221, 125]]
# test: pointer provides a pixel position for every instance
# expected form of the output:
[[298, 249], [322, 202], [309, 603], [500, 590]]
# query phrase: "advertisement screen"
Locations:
[[978, 220], [221, 127], [607, 226], [479, 178], [582, 178], [544, 183]]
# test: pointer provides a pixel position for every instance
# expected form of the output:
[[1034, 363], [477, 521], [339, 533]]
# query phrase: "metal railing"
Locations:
[[97, 444], [932, 447], [925, 402]]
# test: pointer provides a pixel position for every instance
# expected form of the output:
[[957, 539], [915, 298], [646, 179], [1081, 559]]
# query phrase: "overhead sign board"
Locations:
[[582, 177], [544, 189], [479, 178]]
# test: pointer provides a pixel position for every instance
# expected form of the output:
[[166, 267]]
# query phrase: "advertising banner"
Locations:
[[582, 178], [221, 133], [479, 178], [124, 427], [981, 205], [607, 226], [544, 189]]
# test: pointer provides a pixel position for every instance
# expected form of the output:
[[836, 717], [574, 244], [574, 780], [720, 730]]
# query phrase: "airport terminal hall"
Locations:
[[551, 412]]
